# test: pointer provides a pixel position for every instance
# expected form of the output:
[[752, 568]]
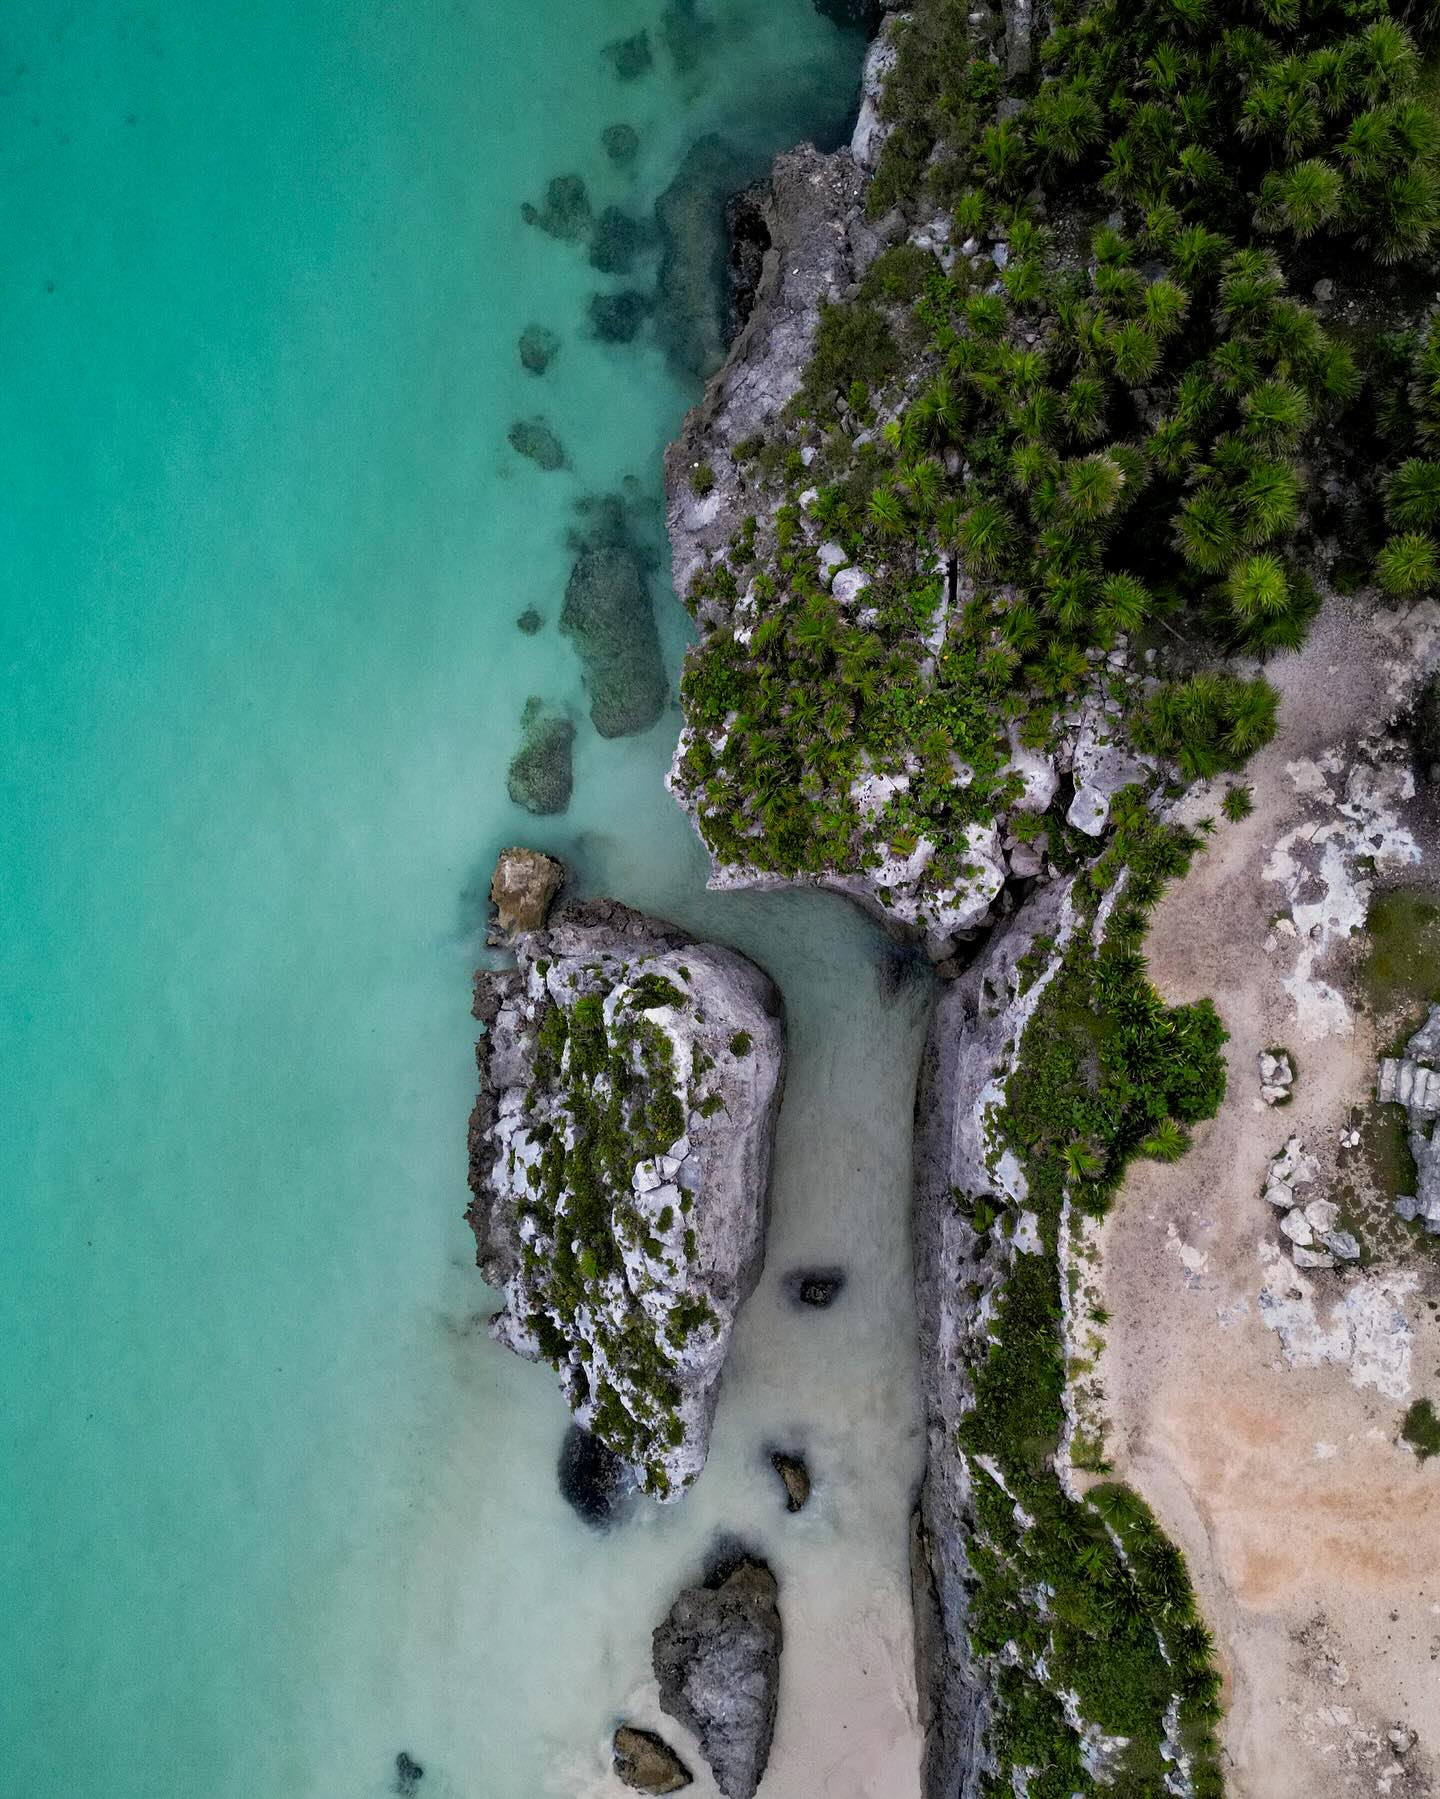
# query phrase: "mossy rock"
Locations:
[[630, 57], [622, 143], [566, 213], [534, 439], [689, 35], [539, 346], [618, 318], [618, 240], [541, 774], [609, 614]]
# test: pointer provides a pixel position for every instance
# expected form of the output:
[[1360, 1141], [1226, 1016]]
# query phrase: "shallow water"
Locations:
[[275, 1507]]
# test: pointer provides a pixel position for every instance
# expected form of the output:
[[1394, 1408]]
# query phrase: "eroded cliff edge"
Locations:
[[620, 1154]]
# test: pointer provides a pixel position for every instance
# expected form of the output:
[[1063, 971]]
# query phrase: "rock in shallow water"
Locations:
[[817, 1287], [539, 346], [608, 613], [630, 56], [647, 1762], [408, 1773], [534, 439], [691, 304], [622, 142], [523, 889], [594, 1482], [796, 1478], [717, 1659], [566, 212], [541, 774], [618, 318]]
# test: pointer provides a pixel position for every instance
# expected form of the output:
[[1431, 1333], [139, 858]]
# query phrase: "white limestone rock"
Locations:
[[662, 1272]]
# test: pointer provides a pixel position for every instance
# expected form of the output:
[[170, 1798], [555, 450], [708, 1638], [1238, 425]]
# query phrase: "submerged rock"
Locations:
[[853, 15], [539, 346], [408, 1773], [566, 212], [621, 142], [523, 889], [690, 299], [619, 318], [796, 1478], [617, 241], [529, 621], [647, 1762], [817, 1287], [688, 34], [630, 56], [541, 775], [594, 1482], [625, 1236], [608, 613], [717, 1659], [535, 439]]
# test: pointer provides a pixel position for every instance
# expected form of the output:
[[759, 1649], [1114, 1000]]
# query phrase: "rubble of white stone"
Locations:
[[1308, 1226], [1277, 1077], [1411, 1081]]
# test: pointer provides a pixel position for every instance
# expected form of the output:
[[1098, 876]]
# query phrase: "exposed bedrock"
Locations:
[[620, 1152], [717, 1659], [974, 1038]]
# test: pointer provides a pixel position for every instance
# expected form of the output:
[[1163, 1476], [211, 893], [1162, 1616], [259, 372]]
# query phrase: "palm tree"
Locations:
[[1408, 564]]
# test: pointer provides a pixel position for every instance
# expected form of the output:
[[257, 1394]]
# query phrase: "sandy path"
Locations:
[[1314, 1538]]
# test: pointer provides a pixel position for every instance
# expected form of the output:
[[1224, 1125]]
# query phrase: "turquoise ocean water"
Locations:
[[273, 1506]]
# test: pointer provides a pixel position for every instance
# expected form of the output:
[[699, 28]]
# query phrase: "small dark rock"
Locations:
[[618, 240], [647, 1762], [796, 1477], [529, 621], [609, 614], [622, 142], [566, 212], [541, 774], [1427, 732], [535, 439], [594, 1482], [408, 1773], [538, 348], [617, 318], [630, 56], [818, 1287]]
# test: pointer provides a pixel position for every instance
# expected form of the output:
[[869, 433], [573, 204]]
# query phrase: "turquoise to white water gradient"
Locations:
[[274, 1508]]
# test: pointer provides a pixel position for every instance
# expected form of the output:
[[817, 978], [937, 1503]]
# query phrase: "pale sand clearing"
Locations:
[[1312, 1534]]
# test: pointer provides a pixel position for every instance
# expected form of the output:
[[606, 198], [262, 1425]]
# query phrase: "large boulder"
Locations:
[[717, 1659], [523, 889], [620, 1152], [609, 614]]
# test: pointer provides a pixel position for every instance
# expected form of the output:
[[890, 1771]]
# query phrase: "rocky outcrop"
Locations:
[[594, 1482], [523, 889], [972, 1046], [717, 1659], [619, 1159], [1412, 1081]]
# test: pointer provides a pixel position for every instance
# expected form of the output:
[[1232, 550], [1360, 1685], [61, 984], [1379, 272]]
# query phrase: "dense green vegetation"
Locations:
[[1420, 1427], [1108, 430], [625, 1101], [1098, 1602]]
